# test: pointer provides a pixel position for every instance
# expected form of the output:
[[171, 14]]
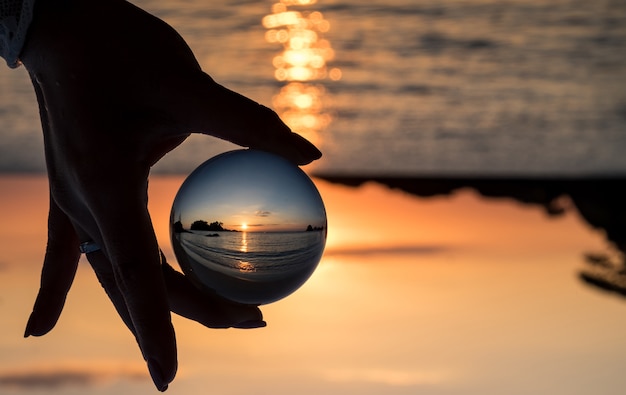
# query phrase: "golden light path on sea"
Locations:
[[302, 65]]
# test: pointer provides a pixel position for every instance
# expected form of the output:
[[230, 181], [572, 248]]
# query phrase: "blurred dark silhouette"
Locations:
[[600, 201]]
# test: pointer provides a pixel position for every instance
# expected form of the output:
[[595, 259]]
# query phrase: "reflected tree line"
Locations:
[[201, 225], [218, 226], [600, 201]]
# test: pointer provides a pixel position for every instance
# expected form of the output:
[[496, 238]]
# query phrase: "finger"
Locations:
[[130, 244], [207, 107], [209, 310], [104, 272], [58, 272]]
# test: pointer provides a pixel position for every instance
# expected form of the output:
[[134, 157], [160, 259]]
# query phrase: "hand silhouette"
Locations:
[[118, 88]]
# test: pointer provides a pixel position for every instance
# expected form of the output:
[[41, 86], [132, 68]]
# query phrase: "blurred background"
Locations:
[[472, 172], [412, 87]]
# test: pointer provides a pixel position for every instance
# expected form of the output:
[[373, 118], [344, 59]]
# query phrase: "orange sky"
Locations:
[[457, 294]]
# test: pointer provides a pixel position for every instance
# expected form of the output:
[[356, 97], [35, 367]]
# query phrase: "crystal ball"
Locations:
[[248, 226]]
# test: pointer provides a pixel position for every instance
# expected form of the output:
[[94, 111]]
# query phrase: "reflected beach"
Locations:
[[250, 268]]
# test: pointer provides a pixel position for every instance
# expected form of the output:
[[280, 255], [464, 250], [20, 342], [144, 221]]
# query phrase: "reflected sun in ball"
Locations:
[[248, 226]]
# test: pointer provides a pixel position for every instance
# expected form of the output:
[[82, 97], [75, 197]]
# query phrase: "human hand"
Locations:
[[118, 89]]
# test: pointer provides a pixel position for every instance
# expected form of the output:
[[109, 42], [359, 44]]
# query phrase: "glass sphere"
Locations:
[[249, 226]]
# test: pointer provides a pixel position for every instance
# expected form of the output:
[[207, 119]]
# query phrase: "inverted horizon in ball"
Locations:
[[248, 226]]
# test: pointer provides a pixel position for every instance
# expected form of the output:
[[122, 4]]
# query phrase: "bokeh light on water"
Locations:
[[302, 65]]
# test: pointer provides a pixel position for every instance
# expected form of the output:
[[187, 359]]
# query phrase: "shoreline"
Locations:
[[600, 201], [603, 193]]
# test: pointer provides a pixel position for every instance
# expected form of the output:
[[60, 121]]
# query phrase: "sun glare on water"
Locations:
[[302, 65]]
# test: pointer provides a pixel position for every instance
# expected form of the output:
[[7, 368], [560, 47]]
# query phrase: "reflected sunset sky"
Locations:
[[249, 191]]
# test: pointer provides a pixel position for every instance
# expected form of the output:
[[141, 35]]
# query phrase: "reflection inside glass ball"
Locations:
[[248, 226]]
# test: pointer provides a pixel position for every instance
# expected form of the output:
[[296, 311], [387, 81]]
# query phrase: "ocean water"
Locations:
[[261, 253], [249, 267], [429, 87]]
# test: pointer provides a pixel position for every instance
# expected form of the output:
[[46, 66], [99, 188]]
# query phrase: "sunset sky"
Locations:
[[462, 295], [263, 192]]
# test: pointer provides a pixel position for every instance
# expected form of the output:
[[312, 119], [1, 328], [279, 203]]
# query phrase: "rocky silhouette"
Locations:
[[600, 201]]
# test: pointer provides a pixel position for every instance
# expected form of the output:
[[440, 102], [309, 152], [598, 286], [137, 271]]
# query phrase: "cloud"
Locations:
[[389, 377], [262, 213], [71, 375], [387, 250]]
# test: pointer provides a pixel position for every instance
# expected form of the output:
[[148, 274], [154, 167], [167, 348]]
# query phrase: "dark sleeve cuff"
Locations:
[[15, 18]]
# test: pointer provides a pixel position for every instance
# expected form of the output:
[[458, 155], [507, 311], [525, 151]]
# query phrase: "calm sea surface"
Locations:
[[424, 87], [263, 253]]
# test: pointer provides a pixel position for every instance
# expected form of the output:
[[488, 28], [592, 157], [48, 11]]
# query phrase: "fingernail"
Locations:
[[157, 375], [251, 324], [29, 326]]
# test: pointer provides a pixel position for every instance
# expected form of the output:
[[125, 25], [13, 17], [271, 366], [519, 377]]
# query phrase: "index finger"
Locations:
[[202, 105]]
